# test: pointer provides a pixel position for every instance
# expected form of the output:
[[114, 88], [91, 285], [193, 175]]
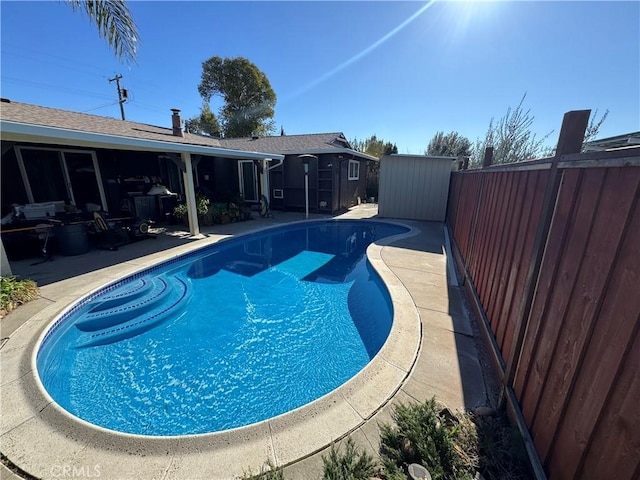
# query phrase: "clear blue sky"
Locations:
[[400, 70]]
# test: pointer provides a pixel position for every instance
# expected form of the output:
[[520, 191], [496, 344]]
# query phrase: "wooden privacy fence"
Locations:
[[550, 250]]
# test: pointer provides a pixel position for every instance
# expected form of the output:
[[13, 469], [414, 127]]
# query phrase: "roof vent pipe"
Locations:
[[176, 122]]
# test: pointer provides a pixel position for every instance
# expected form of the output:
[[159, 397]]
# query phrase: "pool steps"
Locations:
[[126, 313], [138, 288], [303, 264]]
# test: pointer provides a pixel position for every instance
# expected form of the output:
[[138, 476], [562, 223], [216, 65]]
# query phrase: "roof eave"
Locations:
[[320, 151], [16, 131]]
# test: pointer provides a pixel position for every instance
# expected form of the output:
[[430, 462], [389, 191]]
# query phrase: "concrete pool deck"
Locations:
[[434, 350]]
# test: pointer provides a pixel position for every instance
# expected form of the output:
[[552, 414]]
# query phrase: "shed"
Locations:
[[414, 187]]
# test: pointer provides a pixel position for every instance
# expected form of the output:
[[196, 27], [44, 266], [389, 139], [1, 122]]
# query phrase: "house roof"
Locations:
[[290, 143], [26, 122], [83, 122], [619, 141], [314, 143]]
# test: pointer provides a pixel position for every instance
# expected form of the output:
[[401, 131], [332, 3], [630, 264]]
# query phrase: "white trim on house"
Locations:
[[355, 174]]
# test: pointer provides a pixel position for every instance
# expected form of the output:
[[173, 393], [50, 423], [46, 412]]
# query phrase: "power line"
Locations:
[[96, 70], [99, 106], [49, 86]]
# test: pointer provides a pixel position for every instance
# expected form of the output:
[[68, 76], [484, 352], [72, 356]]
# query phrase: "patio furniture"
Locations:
[[73, 238], [114, 232]]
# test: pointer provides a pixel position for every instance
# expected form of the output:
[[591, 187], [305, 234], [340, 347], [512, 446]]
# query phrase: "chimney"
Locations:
[[176, 122]]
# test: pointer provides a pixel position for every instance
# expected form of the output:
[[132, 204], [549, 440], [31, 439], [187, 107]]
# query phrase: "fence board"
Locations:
[[608, 343], [493, 253], [473, 191], [603, 225], [500, 258], [479, 230], [460, 202], [540, 339], [526, 239], [615, 451], [516, 200], [492, 242], [484, 251]]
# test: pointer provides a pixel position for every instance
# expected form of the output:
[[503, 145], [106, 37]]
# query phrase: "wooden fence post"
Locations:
[[488, 157], [574, 125]]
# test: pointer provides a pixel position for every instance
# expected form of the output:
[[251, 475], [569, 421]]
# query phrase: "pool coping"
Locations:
[[39, 437]]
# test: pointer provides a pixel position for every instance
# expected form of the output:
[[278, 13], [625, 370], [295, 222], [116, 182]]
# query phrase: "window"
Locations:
[[51, 175], [354, 170]]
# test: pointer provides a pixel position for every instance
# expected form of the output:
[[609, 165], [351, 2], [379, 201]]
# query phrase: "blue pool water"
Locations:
[[230, 335]]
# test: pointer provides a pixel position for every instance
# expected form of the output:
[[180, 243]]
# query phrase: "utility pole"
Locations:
[[122, 94]]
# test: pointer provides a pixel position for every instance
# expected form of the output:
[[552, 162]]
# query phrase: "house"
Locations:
[[611, 143], [74, 159], [337, 173]]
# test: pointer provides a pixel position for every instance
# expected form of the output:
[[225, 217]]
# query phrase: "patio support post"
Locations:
[[264, 179], [190, 194]]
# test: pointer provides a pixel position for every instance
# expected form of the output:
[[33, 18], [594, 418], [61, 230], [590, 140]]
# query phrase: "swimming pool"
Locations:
[[224, 337]]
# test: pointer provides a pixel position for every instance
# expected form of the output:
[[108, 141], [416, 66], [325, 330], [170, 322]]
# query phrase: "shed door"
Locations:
[[248, 176]]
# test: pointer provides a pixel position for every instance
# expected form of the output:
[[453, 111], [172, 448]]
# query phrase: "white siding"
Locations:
[[414, 187]]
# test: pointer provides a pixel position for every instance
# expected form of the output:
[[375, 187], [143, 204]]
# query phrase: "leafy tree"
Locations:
[[204, 124], [450, 145], [115, 24], [594, 126], [248, 98], [376, 148], [511, 138], [390, 149]]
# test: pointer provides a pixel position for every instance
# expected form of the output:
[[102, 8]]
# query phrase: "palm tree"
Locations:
[[115, 24]]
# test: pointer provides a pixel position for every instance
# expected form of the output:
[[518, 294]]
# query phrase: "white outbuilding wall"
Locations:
[[414, 187]]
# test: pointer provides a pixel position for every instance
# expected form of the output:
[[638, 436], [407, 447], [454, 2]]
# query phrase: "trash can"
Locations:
[[72, 238]]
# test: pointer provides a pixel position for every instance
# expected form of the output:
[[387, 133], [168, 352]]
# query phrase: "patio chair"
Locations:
[[113, 233], [108, 237]]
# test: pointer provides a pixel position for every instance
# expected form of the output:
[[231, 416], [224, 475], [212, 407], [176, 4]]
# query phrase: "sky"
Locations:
[[400, 70]]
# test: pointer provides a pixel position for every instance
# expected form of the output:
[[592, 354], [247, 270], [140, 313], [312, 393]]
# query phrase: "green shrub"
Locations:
[[423, 435], [452, 447], [202, 204], [350, 465], [14, 292], [267, 472]]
